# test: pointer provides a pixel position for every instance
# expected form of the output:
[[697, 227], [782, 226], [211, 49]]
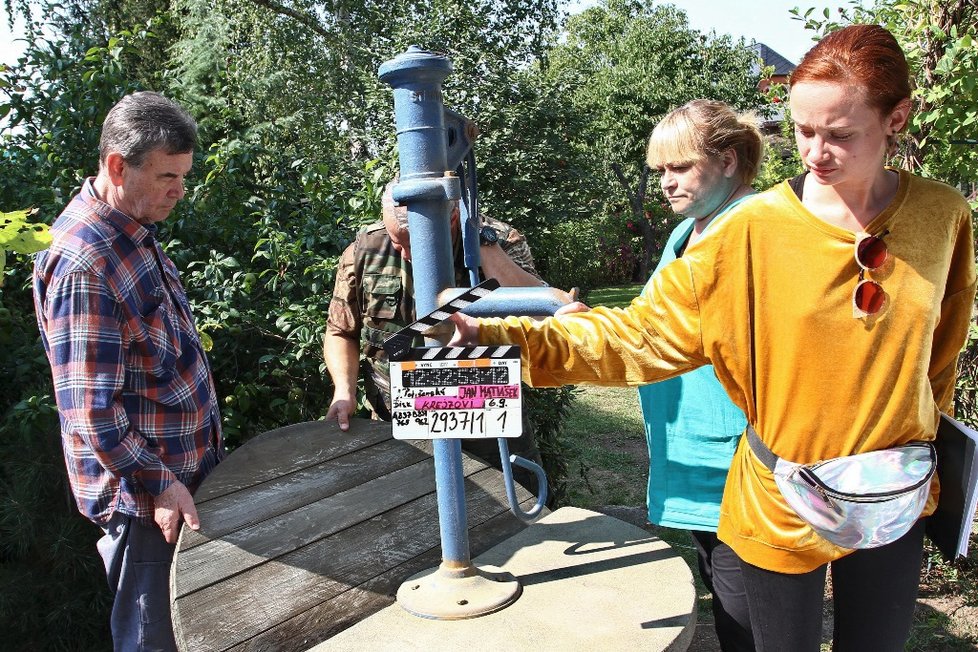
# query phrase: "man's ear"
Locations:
[[114, 165]]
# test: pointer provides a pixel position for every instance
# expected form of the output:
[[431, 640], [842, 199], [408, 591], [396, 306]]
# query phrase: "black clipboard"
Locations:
[[950, 526]]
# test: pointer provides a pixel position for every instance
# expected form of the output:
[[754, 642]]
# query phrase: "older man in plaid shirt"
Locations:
[[139, 419]]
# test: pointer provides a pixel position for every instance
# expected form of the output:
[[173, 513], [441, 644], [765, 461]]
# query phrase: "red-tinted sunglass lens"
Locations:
[[871, 252], [869, 297]]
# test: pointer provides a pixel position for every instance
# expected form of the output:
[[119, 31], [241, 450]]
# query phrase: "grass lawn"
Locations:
[[615, 296], [606, 441]]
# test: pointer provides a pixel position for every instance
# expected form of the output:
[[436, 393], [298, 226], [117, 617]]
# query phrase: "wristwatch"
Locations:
[[488, 236]]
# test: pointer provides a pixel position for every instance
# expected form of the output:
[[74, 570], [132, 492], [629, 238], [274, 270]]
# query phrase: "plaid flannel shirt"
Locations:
[[133, 386]]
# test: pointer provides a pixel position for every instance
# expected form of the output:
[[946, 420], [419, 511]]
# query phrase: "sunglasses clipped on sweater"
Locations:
[[869, 298]]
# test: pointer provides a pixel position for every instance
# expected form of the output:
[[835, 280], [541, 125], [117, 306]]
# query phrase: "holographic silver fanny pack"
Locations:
[[857, 501]]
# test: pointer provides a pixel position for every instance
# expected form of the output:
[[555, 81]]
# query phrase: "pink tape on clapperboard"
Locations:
[[447, 403]]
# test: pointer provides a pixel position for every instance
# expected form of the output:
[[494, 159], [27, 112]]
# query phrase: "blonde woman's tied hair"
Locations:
[[705, 129]]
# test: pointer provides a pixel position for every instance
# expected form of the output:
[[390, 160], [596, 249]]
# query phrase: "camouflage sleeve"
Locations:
[[514, 244], [344, 307]]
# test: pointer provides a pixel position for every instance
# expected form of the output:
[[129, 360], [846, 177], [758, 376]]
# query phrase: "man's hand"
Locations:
[[342, 360], [466, 330], [341, 409], [172, 506], [570, 308]]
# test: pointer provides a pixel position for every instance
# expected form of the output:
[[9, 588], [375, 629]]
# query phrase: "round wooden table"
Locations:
[[306, 530]]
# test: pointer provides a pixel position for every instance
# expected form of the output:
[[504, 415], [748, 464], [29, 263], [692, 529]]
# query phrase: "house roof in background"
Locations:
[[771, 58]]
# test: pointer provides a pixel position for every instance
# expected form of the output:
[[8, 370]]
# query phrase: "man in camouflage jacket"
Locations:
[[374, 297]]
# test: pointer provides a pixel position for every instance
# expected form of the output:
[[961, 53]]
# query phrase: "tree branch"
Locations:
[[620, 175], [643, 185], [305, 19]]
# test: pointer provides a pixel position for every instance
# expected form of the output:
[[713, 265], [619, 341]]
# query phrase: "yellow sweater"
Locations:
[[767, 299]]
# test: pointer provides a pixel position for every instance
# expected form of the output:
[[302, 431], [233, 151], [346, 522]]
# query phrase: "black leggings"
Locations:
[[874, 592], [720, 571]]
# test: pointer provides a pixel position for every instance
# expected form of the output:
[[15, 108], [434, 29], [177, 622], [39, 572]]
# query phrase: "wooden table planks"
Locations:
[[306, 530]]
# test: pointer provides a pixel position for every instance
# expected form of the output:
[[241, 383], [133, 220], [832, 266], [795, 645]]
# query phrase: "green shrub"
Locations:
[[547, 410], [53, 594]]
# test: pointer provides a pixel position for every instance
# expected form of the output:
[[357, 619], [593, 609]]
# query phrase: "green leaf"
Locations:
[[206, 341], [20, 236]]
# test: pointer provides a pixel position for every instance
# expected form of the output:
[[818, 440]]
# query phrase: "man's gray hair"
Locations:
[[142, 122]]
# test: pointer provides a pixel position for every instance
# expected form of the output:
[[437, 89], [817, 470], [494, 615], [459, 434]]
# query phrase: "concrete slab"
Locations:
[[590, 582]]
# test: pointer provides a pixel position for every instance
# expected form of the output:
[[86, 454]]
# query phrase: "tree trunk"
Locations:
[[636, 203]]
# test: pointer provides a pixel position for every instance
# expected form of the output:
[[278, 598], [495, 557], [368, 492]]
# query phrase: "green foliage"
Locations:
[[966, 391], [17, 234], [780, 162], [262, 298], [53, 595], [624, 65], [536, 177], [591, 252], [54, 101], [607, 248], [781, 159], [23, 365], [570, 252], [20, 236], [547, 412], [308, 73]]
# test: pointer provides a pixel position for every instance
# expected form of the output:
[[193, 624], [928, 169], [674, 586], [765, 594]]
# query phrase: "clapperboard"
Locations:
[[470, 392]]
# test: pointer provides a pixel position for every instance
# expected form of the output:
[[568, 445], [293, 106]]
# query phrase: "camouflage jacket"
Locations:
[[374, 296]]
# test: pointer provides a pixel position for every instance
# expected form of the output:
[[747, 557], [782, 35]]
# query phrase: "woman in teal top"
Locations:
[[707, 157], [692, 429]]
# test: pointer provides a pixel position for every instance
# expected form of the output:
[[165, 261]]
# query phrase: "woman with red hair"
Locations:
[[832, 308]]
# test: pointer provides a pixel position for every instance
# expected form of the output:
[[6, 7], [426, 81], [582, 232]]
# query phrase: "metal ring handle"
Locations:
[[506, 461]]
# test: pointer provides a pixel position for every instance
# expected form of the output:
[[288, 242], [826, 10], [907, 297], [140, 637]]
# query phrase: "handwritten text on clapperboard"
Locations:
[[461, 398]]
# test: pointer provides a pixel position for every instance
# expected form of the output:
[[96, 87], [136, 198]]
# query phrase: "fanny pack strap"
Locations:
[[760, 449]]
